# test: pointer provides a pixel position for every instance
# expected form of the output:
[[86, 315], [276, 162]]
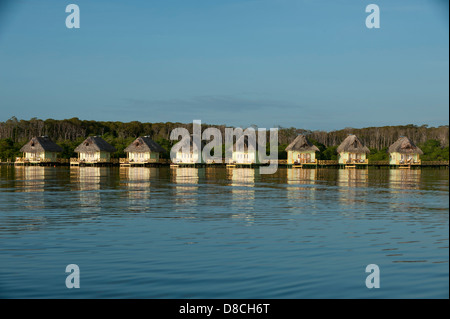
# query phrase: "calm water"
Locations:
[[217, 233]]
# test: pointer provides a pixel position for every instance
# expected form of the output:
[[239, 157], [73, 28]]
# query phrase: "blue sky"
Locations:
[[304, 63]]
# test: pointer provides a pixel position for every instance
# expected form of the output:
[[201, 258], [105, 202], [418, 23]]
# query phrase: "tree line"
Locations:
[[69, 133]]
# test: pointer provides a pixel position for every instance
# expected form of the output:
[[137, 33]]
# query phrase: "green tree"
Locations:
[[8, 149], [330, 153], [432, 151], [378, 155]]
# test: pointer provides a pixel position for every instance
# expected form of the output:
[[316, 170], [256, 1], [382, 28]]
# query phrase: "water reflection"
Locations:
[[138, 175], [301, 176], [137, 183], [404, 178], [353, 190], [401, 184], [186, 188], [242, 192], [397, 219], [300, 189], [211, 173], [86, 180], [32, 180], [137, 178], [353, 177]]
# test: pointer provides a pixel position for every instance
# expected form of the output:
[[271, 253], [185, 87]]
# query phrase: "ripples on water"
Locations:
[[218, 233]]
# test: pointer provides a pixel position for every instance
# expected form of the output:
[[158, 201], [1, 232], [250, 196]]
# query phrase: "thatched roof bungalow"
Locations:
[[404, 151], [193, 156], [94, 149], [246, 154], [301, 151], [352, 151], [144, 150], [40, 149]]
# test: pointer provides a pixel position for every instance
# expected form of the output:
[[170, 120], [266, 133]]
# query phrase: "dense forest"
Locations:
[[14, 133]]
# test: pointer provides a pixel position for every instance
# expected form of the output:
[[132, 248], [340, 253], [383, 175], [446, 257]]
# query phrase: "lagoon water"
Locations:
[[218, 233]]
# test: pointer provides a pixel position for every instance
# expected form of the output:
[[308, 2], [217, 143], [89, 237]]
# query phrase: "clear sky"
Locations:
[[305, 63]]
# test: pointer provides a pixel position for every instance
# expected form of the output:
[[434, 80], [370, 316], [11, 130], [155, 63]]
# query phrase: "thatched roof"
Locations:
[[242, 139], [190, 143], [144, 144], [245, 140], [94, 144], [41, 144], [301, 144], [404, 146], [352, 144]]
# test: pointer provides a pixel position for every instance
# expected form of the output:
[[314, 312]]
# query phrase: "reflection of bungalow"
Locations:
[[187, 175], [243, 193], [40, 150], [404, 179], [143, 150], [300, 189], [192, 156], [93, 150], [404, 152], [350, 182], [301, 151], [243, 152], [301, 176], [352, 151], [245, 176]]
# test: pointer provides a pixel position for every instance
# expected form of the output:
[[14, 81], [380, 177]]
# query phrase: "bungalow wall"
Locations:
[[305, 157], [188, 158], [245, 157], [345, 156], [143, 157], [95, 156], [396, 158], [41, 156]]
